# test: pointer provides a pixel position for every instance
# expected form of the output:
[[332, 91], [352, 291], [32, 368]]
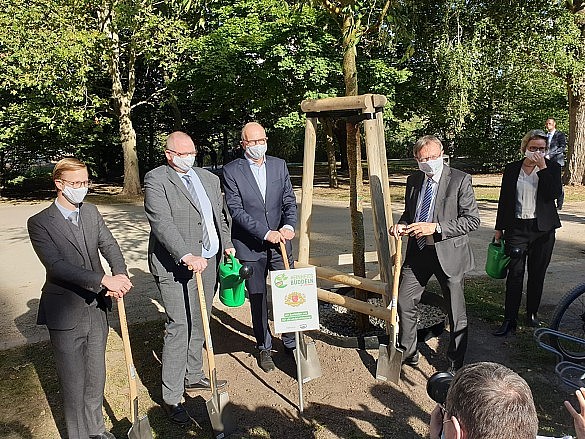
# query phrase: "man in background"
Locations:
[[557, 144]]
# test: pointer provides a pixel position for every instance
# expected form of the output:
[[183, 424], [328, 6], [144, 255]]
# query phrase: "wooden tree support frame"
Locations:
[[368, 108]]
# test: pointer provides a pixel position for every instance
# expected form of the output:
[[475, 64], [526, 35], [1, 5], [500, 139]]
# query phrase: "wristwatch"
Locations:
[[438, 229]]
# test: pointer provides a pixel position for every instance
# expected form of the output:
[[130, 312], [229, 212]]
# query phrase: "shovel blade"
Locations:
[[220, 415], [140, 429], [389, 363], [310, 365]]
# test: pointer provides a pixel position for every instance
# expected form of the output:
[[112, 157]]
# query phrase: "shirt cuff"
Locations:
[[289, 227]]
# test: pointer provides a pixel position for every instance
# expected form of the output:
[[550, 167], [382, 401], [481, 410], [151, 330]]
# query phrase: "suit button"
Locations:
[[200, 242], [198, 224]]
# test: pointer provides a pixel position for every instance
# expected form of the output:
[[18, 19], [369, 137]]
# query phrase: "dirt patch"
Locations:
[[346, 402]]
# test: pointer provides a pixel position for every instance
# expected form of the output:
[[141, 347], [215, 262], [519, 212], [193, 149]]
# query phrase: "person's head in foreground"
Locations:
[[486, 401]]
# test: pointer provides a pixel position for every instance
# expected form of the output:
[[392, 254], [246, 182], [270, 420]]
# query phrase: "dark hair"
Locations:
[[492, 402]]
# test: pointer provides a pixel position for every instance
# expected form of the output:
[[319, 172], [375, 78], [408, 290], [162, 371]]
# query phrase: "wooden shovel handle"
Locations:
[[206, 330], [396, 282], [129, 362], [284, 256]]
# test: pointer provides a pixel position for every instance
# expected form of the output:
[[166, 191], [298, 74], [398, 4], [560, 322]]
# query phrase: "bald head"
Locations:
[[253, 131], [180, 147]]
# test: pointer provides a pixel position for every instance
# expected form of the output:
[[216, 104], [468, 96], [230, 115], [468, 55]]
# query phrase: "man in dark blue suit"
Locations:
[[262, 204], [557, 144]]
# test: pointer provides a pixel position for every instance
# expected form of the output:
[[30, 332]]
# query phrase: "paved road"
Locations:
[[22, 275]]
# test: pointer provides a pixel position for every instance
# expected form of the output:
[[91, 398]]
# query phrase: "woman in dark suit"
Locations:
[[527, 218]]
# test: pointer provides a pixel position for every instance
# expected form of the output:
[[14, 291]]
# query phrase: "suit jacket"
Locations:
[[70, 285], [252, 216], [557, 147], [175, 222], [457, 213], [549, 188]]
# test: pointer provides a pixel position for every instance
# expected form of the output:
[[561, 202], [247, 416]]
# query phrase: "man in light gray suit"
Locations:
[[67, 237], [440, 210], [262, 203], [190, 229]]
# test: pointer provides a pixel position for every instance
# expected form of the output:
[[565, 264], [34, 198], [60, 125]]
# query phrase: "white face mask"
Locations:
[[532, 154], [74, 196], [184, 163], [431, 167], [256, 152]]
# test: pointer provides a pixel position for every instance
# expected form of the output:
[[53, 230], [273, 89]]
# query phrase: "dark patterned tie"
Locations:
[[193, 192], [424, 211]]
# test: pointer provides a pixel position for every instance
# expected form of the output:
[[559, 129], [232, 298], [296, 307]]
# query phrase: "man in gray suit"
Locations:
[[189, 231], [440, 210], [66, 237], [262, 203]]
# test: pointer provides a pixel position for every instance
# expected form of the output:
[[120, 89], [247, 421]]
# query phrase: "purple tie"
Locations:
[[424, 211]]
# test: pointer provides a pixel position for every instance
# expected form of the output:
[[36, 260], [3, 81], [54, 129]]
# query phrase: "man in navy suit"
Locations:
[[557, 143], [68, 237], [262, 204]]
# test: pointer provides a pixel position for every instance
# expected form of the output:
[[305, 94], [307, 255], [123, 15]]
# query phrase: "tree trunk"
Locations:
[[575, 164], [354, 158], [122, 99], [128, 138], [340, 133], [330, 146]]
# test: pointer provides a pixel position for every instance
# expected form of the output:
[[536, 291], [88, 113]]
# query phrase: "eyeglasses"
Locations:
[[77, 184], [534, 149], [426, 159], [255, 142], [183, 154]]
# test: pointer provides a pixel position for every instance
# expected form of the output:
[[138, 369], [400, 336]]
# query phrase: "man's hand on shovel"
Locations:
[[195, 263], [118, 286]]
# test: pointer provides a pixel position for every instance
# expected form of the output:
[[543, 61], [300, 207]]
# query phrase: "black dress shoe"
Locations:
[[507, 327], [532, 321], [105, 435], [265, 360], [203, 384], [412, 361], [177, 413]]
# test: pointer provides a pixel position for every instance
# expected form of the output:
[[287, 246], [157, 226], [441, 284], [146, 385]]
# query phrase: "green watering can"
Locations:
[[232, 288]]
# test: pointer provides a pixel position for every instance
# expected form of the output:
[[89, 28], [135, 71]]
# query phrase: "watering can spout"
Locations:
[[232, 276]]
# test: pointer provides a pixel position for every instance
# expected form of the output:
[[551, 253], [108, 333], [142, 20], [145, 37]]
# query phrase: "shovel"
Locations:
[[306, 354], [221, 419], [140, 427], [390, 356]]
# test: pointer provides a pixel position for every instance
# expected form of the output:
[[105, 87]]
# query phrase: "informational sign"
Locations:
[[294, 300]]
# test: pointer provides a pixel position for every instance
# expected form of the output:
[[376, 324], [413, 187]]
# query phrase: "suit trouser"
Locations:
[[561, 199], [418, 268], [535, 252], [81, 366], [258, 296], [182, 356]]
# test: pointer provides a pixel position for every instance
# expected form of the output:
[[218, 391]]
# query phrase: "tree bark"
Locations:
[[330, 147], [354, 159], [575, 164]]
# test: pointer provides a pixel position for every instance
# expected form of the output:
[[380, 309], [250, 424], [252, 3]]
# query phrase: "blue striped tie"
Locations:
[[424, 211]]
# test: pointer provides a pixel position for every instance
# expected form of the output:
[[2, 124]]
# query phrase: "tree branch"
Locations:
[[149, 99]]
